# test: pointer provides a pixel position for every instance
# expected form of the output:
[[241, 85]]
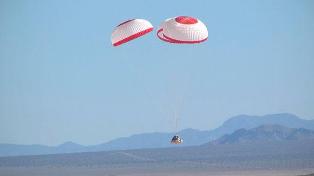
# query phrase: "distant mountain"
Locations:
[[15, 150], [159, 140], [247, 122], [69, 147], [154, 140], [265, 133], [273, 155], [197, 137]]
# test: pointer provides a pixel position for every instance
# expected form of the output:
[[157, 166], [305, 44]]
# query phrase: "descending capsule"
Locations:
[[176, 140], [130, 30]]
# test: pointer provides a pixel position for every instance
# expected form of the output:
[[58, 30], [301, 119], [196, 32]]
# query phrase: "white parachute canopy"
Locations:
[[183, 30], [160, 31], [130, 30]]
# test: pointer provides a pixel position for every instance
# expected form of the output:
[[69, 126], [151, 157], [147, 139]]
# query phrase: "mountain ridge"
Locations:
[[190, 136], [265, 133]]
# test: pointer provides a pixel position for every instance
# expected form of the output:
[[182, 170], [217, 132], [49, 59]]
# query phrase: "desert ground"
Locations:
[[259, 159], [98, 171]]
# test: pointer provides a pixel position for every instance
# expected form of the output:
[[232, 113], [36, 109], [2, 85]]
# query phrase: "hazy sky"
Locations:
[[61, 80]]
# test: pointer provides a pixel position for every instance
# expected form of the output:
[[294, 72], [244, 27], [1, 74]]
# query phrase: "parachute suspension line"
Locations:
[[177, 108], [136, 69], [178, 111], [176, 119]]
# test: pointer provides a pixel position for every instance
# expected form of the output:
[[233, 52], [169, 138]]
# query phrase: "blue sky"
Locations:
[[61, 80]]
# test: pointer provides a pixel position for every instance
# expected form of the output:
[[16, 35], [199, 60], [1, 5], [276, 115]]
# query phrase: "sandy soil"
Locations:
[[98, 171]]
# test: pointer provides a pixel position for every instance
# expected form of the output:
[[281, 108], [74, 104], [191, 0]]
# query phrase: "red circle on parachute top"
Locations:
[[186, 20]]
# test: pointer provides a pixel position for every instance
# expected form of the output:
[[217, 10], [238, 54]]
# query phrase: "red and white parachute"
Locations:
[[182, 29], [160, 31], [129, 30]]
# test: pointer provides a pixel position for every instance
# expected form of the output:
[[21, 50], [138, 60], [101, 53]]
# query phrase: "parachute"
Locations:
[[160, 31], [130, 30], [178, 30], [183, 30]]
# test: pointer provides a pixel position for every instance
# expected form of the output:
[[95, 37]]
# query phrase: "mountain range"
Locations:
[[241, 124], [264, 134], [274, 154]]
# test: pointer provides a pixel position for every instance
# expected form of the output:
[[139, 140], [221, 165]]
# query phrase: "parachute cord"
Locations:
[[176, 121]]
